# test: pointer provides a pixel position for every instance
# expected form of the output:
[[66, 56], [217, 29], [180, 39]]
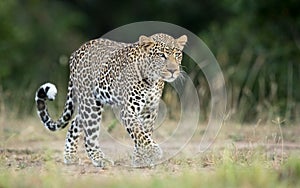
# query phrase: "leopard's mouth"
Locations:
[[169, 75]]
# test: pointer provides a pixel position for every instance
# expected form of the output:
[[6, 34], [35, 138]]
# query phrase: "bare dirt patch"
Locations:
[[26, 146]]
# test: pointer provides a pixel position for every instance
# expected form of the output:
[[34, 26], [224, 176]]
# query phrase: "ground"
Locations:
[[253, 155]]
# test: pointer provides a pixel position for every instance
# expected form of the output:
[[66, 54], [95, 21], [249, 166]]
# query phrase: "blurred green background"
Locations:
[[255, 42]]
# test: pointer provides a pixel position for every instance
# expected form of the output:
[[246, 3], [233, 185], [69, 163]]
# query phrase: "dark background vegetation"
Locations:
[[255, 42]]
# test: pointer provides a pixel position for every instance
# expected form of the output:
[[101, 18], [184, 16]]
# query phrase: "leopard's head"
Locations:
[[164, 55]]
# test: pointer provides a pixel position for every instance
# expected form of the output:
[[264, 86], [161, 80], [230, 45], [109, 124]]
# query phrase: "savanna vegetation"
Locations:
[[256, 44]]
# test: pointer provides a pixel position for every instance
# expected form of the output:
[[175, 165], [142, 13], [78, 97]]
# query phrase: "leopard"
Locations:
[[129, 76]]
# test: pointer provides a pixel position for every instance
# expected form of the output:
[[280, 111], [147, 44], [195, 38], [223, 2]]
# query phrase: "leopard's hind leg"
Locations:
[[71, 145], [92, 114]]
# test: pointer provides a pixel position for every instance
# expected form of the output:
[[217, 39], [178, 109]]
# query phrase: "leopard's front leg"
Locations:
[[149, 113], [146, 151]]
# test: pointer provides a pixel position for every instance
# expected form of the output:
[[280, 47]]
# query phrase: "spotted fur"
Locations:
[[127, 75]]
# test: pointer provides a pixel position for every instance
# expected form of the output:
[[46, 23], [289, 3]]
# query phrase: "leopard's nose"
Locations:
[[172, 71]]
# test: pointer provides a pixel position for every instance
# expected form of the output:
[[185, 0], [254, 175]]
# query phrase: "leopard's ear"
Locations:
[[181, 41], [146, 42]]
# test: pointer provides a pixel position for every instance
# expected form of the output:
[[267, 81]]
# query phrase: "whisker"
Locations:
[[182, 67], [179, 82]]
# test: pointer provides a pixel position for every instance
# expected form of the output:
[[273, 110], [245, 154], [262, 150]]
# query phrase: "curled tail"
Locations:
[[48, 91]]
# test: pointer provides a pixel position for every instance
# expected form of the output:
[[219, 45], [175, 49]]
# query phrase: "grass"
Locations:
[[225, 174], [242, 156]]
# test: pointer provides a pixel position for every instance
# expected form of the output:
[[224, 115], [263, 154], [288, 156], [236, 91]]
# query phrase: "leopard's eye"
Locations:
[[178, 54], [162, 55]]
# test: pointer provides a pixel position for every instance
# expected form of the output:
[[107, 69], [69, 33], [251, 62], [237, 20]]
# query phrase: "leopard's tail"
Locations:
[[48, 91]]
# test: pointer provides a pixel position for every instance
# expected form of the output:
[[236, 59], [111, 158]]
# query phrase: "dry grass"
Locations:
[[242, 156]]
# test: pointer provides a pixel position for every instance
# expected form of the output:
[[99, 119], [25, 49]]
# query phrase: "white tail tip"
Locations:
[[50, 90]]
